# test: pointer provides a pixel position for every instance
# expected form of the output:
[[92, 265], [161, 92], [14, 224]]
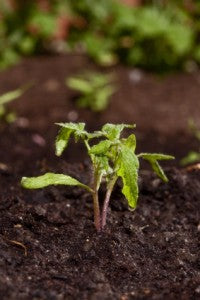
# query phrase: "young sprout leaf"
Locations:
[[73, 126], [113, 131], [65, 133], [101, 148], [128, 165], [102, 98], [95, 90], [102, 167], [153, 160], [155, 156], [130, 142], [158, 170], [51, 179], [95, 134], [191, 157], [62, 140], [79, 84], [10, 96]]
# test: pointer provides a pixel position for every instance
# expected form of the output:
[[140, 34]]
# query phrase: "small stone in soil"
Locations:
[[72, 115], [39, 140]]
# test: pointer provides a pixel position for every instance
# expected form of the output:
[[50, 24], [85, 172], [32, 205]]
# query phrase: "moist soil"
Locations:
[[151, 253]]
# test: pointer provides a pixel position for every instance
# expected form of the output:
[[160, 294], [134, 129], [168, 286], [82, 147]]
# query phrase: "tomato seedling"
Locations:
[[112, 157], [95, 89], [9, 97], [192, 156]]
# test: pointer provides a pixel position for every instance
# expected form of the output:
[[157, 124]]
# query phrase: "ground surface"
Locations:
[[152, 253]]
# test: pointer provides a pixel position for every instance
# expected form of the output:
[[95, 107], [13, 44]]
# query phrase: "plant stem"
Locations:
[[97, 216], [106, 201]]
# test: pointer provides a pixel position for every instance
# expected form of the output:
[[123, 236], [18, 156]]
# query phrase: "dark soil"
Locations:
[[152, 253]]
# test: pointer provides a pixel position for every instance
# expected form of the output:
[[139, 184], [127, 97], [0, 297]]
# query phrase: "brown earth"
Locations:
[[152, 253]]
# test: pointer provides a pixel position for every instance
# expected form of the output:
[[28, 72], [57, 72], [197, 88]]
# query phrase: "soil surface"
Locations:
[[152, 253]]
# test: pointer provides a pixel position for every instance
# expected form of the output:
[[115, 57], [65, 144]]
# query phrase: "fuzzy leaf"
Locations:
[[103, 168], [101, 148], [130, 142], [50, 179], [153, 160], [155, 156], [95, 134], [103, 165], [72, 126], [64, 134], [113, 131], [128, 170], [62, 140], [158, 170]]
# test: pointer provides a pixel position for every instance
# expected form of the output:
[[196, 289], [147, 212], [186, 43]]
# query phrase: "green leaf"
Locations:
[[101, 148], [79, 84], [153, 160], [180, 38], [128, 165], [84, 101], [155, 156], [45, 22], [102, 168], [101, 99], [2, 111], [62, 140], [130, 142], [73, 126], [12, 95], [191, 157], [158, 170], [64, 134], [95, 134], [113, 131], [51, 179]]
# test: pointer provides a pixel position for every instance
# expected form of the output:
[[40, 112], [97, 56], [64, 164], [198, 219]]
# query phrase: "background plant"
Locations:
[[95, 89], [158, 35], [192, 156], [7, 98], [111, 157]]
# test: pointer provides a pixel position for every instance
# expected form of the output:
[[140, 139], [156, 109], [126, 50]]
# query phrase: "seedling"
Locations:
[[9, 97], [112, 157], [192, 156], [95, 90]]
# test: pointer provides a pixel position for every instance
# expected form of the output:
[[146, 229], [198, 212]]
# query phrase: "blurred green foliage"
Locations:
[[192, 156], [5, 114], [95, 89], [159, 35]]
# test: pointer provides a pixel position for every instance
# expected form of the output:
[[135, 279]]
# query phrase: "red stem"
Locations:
[[106, 202], [97, 218]]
